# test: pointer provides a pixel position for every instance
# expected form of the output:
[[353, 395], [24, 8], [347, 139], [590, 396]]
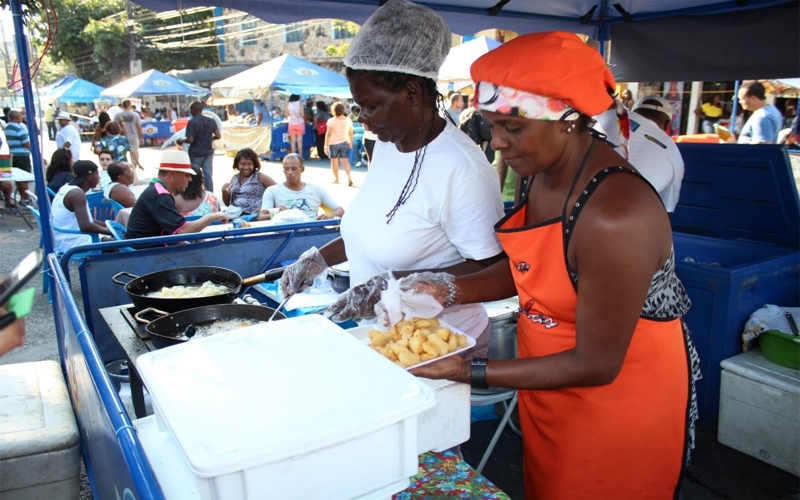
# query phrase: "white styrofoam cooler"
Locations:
[[445, 425], [296, 408], [759, 410]]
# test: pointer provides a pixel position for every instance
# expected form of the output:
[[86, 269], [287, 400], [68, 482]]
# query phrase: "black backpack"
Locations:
[[477, 128]]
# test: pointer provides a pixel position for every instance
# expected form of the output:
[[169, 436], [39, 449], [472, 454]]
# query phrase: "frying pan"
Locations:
[[140, 286], [169, 329]]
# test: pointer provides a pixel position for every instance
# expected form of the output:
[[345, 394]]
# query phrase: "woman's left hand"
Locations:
[[450, 368]]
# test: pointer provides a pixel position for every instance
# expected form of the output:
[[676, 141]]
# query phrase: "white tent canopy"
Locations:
[[454, 73]]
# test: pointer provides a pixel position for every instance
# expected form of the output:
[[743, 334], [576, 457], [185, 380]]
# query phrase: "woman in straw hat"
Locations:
[[605, 367], [430, 200]]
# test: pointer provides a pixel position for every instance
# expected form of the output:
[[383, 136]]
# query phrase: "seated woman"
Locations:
[[195, 200], [246, 188], [121, 175], [59, 172]]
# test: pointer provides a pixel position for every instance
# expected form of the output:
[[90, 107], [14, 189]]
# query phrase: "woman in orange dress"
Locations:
[[606, 366]]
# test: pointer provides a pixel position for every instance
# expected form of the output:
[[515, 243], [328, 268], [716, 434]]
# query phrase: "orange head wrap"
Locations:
[[557, 65]]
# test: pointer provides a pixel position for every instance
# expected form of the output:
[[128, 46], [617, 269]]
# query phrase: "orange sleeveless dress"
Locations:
[[624, 440]]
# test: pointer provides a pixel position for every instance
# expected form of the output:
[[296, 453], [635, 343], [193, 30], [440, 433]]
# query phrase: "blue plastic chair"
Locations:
[[118, 231], [101, 208]]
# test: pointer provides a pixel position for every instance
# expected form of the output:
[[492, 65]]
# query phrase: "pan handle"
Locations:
[[153, 310], [270, 275], [116, 280]]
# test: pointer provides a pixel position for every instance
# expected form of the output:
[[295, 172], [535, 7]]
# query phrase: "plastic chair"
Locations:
[[118, 231], [509, 399], [101, 208], [50, 193]]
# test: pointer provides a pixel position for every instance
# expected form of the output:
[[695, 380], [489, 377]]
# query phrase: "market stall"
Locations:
[[136, 458], [286, 74]]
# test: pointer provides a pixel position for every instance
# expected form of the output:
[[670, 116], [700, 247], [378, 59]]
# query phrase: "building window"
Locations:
[[249, 37], [343, 31], [293, 33]]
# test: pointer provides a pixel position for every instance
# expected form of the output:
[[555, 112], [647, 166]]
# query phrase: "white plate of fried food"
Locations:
[[415, 342]]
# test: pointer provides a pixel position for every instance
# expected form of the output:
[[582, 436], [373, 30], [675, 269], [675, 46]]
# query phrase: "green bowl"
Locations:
[[781, 348]]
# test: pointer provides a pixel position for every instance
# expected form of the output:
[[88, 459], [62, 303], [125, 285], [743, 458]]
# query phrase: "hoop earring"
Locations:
[[571, 127]]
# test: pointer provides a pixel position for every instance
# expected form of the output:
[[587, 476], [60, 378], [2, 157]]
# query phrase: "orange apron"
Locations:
[[622, 440]]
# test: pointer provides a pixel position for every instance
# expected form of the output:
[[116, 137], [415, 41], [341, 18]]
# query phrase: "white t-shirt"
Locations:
[[63, 218], [449, 217], [70, 134], [308, 199], [654, 154]]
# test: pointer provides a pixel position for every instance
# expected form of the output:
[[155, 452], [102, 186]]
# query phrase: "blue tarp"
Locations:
[[77, 90], [153, 82], [286, 73], [46, 89]]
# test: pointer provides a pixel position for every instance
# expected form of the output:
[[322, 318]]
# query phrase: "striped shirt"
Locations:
[[17, 137]]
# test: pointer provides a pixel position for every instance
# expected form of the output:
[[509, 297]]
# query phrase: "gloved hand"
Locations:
[[359, 302], [440, 286], [418, 295], [300, 275]]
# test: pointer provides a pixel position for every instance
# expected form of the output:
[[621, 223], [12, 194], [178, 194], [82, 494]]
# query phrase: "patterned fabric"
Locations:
[[209, 205], [444, 476], [247, 196], [16, 136], [117, 145], [512, 102]]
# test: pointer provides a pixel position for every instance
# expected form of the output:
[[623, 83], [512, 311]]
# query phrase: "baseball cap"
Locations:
[[82, 169], [654, 102], [176, 161]]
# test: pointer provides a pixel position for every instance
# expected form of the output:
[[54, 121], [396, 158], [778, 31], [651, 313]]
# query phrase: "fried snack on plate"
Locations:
[[410, 342]]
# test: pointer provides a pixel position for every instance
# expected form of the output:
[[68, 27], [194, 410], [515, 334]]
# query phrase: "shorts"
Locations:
[[341, 150], [23, 162], [297, 129]]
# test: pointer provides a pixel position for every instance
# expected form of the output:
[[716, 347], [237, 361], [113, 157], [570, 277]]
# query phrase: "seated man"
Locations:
[[297, 194], [121, 177], [71, 210], [154, 213]]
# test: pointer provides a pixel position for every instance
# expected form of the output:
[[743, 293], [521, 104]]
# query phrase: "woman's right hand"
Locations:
[[300, 275], [358, 302]]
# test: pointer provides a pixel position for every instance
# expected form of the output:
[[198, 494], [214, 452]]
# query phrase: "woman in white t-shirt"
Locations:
[[431, 199]]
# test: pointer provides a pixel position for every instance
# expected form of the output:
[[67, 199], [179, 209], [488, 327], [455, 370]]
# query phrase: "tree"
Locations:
[[93, 39]]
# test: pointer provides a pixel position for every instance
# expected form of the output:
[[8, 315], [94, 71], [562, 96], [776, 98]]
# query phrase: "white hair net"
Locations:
[[402, 37]]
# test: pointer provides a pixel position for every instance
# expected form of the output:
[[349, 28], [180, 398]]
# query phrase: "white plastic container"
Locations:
[[759, 410], [445, 425], [296, 408]]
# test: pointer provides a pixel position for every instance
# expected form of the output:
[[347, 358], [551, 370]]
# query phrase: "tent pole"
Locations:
[[735, 106], [33, 127]]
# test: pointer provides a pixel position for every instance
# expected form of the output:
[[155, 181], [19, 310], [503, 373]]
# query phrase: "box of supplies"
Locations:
[[296, 408], [759, 410]]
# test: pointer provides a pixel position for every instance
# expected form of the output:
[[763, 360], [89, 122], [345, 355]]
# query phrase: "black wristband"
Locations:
[[478, 379]]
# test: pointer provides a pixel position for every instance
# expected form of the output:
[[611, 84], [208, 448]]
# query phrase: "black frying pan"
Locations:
[[170, 328], [140, 286]]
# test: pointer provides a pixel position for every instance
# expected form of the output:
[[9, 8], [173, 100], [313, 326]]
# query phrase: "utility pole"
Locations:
[[135, 64]]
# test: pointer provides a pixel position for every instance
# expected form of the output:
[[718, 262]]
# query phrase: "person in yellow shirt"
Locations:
[[50, 121], [710, 112]]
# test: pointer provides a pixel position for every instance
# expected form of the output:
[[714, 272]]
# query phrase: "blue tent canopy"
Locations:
[[46, 89], [77, 90], [153, 82], [286, 73]]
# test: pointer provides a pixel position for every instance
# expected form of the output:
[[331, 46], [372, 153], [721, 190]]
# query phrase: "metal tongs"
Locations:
[[280, 306]]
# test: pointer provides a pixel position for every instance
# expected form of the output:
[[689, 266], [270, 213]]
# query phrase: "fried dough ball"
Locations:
[[410, 342]]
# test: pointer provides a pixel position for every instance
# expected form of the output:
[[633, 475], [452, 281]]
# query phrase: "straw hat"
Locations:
[[176, 161]]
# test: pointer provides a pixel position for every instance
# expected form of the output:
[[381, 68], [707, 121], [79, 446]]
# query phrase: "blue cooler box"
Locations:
[[280, 147], [736, 233]]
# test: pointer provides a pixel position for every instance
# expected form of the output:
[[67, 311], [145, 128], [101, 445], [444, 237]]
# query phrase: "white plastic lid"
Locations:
[[502, 309], [269, 392]]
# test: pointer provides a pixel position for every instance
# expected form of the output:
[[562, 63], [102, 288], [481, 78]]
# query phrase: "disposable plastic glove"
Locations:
[[419, 295], [300, 275], [359, 302]]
